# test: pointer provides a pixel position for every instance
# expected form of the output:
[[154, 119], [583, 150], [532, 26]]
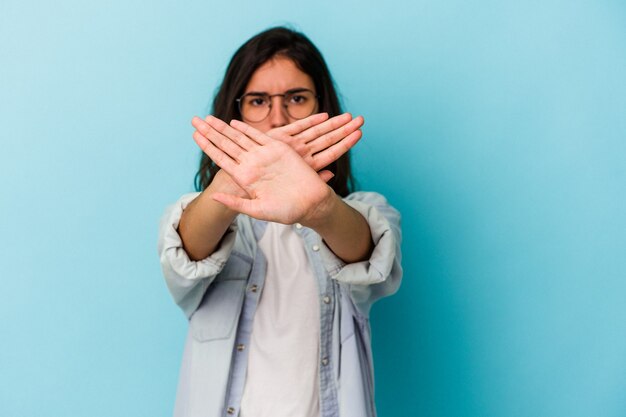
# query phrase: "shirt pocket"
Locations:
[[218, 313]]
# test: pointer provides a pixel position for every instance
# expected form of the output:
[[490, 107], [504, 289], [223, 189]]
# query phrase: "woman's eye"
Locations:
[[297, 99], [257, 101]]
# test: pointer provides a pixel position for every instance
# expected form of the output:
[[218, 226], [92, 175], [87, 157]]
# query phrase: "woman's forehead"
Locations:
[[278, 75]]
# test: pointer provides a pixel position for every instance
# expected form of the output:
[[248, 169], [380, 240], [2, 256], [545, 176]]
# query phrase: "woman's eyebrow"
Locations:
[[296, 90], [290, 91]]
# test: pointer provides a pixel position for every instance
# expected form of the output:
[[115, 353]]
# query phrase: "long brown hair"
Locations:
[[250, 56]]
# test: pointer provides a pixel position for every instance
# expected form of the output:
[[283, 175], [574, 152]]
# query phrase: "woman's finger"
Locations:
[[255, 134], [304, 124], [224, 143], [326, 175], [221, 158], [233, 134], [321, 129], [238, 204], [331, 154], [333, 137]]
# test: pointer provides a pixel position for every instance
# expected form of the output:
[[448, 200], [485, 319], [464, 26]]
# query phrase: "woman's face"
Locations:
[[277, 76]]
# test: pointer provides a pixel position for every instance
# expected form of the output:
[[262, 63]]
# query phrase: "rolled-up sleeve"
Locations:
[[188, 280], [381, 274]]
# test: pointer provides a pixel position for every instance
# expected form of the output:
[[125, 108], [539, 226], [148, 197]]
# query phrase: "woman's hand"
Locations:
[[314, 134], [305, 136], [282, 185]]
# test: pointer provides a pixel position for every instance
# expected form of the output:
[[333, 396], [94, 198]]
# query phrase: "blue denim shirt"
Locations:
[[220, 295]]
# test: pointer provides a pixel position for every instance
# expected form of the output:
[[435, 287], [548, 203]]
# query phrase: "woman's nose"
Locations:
[[278, 113]]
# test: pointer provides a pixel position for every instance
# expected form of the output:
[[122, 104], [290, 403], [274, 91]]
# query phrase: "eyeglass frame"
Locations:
[[283, 95]]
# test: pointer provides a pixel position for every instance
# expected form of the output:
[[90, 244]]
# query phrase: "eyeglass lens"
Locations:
[[255, 107]]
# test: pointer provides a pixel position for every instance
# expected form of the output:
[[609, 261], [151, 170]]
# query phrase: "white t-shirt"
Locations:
[[282, 378]]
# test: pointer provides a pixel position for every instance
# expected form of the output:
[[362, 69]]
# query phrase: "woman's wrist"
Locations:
[[344, 230], [325, 214], [204, 221], [223, 183]]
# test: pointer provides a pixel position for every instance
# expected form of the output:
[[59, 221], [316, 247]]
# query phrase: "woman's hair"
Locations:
[[248, 58]]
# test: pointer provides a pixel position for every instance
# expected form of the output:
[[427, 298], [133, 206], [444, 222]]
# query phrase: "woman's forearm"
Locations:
[[345, 231], [204, 221]]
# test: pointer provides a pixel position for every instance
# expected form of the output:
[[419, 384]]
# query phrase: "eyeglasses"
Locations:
[[255, 107]]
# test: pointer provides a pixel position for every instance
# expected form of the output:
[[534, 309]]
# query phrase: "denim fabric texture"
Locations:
[[220, 294]]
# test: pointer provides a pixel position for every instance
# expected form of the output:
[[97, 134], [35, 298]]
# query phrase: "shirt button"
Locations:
[[230, 410], [253, 288], [324, 361], [298, 226], [315, 248], [326, 299], [241, 347]]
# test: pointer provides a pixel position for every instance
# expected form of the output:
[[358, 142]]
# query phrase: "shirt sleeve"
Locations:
[[381, 274], [187, 280]]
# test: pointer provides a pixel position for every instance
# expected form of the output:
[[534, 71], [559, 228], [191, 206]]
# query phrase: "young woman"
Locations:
[[275, 262]]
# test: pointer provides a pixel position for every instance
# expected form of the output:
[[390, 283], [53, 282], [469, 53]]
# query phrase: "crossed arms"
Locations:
[[277, 176]]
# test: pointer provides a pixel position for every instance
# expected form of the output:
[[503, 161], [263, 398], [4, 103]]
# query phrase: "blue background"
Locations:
[[497, 128]]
